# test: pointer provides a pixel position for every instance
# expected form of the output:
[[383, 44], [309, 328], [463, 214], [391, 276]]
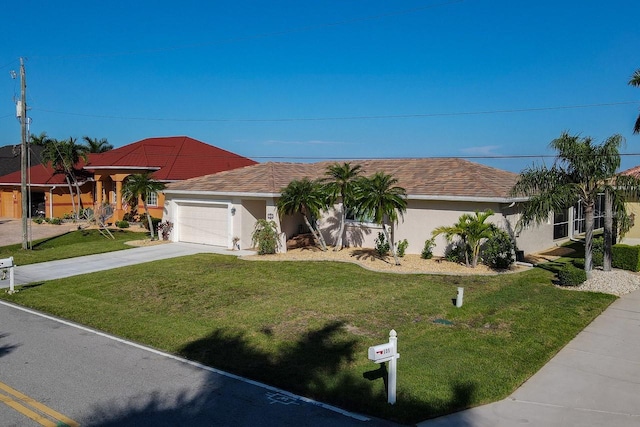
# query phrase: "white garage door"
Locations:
[[203, 223]]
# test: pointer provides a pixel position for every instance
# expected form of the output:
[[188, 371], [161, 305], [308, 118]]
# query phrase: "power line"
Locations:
[[260, 35], [336, 118]]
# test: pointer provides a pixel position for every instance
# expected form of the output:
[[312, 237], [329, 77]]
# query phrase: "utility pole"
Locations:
[[23, 152]]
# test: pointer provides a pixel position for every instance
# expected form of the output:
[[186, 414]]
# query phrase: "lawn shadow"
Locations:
[[315, 366]]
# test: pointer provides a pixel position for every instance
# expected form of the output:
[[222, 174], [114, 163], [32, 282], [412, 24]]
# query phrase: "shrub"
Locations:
[[38, 220], [402, 247], [265, 237], [454, 253], [427, 251], [165, 228], [570, 275], [154, 221], [122, 224], [597, 252], [625, 257], [498, 250], [54, 221], [382, 246]]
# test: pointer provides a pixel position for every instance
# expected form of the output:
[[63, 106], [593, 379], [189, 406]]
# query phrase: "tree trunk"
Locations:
[[313, 231], [75, 182], [320, 236], [343, 217], [608, 230], [146, 211], [73, 203], [588, 238], [387, 235]]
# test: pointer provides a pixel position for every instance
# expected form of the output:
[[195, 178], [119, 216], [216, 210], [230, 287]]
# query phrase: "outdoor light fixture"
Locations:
[[233, 211]]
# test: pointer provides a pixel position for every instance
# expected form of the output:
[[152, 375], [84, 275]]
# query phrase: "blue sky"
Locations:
[[316, 80]]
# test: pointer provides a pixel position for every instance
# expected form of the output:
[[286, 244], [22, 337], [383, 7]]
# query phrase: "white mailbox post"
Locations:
[[7, 264], [388, 353]]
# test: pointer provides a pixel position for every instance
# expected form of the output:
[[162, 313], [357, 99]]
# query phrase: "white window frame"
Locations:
[[152, 198]]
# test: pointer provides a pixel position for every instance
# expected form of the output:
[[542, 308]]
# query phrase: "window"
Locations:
[[152, 199], [561, 224], [353, 216], [598, 216]]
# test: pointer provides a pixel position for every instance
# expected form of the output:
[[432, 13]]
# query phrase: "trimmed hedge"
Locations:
[[625, 257], [570, 275]]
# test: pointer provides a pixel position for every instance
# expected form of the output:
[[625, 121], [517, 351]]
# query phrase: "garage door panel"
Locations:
[[205, 224]]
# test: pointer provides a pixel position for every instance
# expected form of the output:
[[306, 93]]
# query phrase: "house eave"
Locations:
[[410, 196], [466, 198], [218, 193]]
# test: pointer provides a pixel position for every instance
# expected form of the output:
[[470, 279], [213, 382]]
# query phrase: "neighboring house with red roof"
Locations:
[[214, 209], [171, 159]]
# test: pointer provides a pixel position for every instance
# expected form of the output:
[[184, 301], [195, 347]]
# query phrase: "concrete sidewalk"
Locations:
[[34, 273], [593, 381]]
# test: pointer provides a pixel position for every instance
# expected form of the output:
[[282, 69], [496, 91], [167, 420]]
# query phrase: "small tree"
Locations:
[[472, 231], [139, 186], [265, 237], [380, 198], [340, 183], [308, 198]]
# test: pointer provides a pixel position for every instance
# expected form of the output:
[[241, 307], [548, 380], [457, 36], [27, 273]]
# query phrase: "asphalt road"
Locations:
[[68, 374]]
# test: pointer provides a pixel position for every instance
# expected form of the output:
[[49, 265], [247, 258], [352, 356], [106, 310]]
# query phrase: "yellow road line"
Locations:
[[36, 405]]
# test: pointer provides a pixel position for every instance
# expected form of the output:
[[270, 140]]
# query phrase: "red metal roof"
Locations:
[[172, 158], [177, 157]]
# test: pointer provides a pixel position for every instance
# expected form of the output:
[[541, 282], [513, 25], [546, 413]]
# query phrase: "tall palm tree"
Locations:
[[340, 183], [95, 145], [578, 175], [308, 198], [472, 231], [62, 156], [139, 186], [635, 81], [380, 198]]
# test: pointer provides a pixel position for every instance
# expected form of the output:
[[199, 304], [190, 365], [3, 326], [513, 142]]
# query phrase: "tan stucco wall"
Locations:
[[420, 219], [633, 208]]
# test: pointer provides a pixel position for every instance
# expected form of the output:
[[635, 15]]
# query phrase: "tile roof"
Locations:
[[634, 172], [427, 177], [177, 158]]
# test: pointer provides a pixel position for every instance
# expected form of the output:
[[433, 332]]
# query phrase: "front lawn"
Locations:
[[306, 326], [70, 245]]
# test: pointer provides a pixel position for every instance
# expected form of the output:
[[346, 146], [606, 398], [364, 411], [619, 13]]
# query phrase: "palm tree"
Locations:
[[581, 172], [472, 231], [380, 198], [139, 186], [635, 81], [308, 198], [95, 145], [62, 156], [340, 183]]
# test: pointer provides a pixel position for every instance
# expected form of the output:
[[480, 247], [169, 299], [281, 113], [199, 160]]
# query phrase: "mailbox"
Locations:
[[381, 353], [6, 262]]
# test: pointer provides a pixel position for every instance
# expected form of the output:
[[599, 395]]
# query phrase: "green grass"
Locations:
[[306, 326], [70, 245]]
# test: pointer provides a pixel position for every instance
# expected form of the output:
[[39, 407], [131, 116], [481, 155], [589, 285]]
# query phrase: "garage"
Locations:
[[205, 223]]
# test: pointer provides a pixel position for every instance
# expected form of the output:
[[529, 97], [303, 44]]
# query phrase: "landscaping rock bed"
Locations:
[[368, 258]]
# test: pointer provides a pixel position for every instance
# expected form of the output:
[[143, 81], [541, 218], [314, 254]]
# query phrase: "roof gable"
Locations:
[[172, 158]]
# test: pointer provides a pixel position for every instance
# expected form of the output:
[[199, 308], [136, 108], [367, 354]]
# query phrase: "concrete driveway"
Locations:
[[11, 230]]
